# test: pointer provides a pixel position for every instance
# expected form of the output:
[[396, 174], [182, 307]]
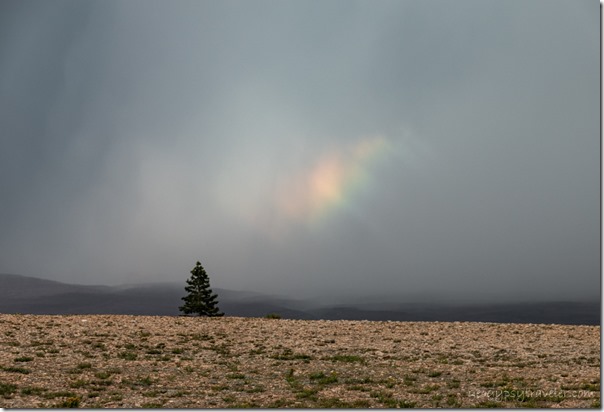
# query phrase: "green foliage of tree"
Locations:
[[200, 299]]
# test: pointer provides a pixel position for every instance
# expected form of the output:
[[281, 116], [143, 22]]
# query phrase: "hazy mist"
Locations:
[[332, 148]]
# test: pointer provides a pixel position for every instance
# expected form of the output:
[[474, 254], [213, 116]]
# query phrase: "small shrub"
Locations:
[[24, 359], [78, 384], [366, 379], [15, 369], [288, 354], [273, 316], [425, 390], [7, 389], [406, 404], [152, 405], [255, 389], [102, 375], [73, 402], [336, 403], [454, 384], [202, 337], [347, 358], [385, 398], [489, 404], [147, 381], [127, 355], [33, 390], [307, 393], [323, 379]]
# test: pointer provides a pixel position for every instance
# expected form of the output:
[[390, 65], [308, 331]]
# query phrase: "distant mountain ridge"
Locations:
[[23, 294]]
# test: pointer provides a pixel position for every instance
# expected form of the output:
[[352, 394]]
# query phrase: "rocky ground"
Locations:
[[110, 361]]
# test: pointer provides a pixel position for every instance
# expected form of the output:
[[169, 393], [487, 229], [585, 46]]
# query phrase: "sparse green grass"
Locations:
[[489, 404], [425, 389], [7, 389], [221, 349], [102, 375], [279, 403], [59, 394], [80, 383], [244, 405], [452, 401], [33, 390], [255, 389], [409, 380], [178, 394], [366, 379], [152, 405], [593, 387], [229, 399], [314, 371], [385, 398], [146, 381], [323, 379], [15, 369], [40, 343], [71, 402], [128, 356], [201, 337], [288, 354], [219, 388], [347, 358], [453, 384], [307, 393], [405, 404], [338, 403]]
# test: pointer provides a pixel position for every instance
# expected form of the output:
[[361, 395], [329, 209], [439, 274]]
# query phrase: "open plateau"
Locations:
[[122, 361]]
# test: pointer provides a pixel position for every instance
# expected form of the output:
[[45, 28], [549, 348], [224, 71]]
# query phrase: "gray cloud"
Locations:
[[454, 147]]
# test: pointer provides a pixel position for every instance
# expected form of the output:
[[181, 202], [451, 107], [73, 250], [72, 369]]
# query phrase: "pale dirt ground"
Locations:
[[175, 362]]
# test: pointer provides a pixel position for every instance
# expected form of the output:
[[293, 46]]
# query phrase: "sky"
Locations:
[[448, 149]]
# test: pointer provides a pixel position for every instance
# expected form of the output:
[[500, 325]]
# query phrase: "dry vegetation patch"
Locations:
[[114, 361]]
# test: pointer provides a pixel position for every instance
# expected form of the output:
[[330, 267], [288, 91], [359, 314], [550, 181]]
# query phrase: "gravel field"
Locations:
[[115, 361]]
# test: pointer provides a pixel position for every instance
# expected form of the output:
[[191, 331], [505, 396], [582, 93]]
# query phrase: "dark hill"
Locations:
[[22, 294]]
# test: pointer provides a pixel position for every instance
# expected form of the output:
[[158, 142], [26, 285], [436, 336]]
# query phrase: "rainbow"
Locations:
[[331, 183]]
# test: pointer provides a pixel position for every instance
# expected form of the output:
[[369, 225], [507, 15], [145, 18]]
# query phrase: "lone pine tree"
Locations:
[[200, 299]]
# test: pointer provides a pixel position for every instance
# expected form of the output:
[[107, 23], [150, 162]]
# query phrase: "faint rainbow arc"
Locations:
[[331, 183]]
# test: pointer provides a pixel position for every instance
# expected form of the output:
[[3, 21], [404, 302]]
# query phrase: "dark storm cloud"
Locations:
[[139, 137]]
